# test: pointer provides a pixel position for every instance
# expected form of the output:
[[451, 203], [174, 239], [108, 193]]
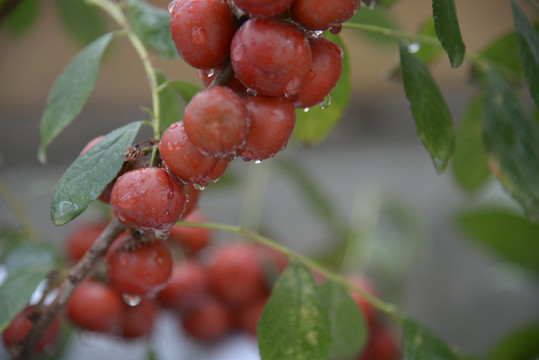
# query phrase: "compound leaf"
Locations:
[[293, 324], [70, 91], [430, 112], [90, 174]]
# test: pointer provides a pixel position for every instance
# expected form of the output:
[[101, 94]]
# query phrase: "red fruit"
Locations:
[[216, 122], [81, 239], [202, 31], [188, 285], [270, 56], [381, 345], [96, 307], [209, 321], [183, 160], [139, 267], [137, 321], [263, 7], [323, 75], [147, 199], [235, 274], [362, 283], [191, 239], [323, 14], [272, 121], [191, 199], [20, 325], [248, 315]]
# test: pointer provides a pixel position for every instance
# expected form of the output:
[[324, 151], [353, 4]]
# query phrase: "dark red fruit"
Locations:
[[381, 345], [208, 321], [247, 316], [272, 121], [323, 14], [263, 7], [202, 31], [235, 274], [216, 122], [191, 199], [323, 75], [139, 267], [147, 199], [362, 283], [137, 321], [183, 160], [81, 239], [20, 325], [96, 307], [191, 239], [270, 56], [188, 285]]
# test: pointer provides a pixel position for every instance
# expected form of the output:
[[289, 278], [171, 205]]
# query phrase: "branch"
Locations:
[[23, 350]]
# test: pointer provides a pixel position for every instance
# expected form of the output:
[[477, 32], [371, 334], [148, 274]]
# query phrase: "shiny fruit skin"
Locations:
[[139, 268], [216, 122], [323, 14], [137, 321], [202, 31], [209, 321], [20, 325], [147, 199], [270, 56], [96, 307], [182, 158], [263, 7], [272, 122]]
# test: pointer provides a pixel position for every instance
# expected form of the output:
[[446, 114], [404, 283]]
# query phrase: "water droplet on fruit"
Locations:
[[252, 92], [209, 72], [191, 9], [413, 48], [171, 6], [336, 29], [131, 300], [311, 74], [198, 35], [258, 161], [306, 110], [162, 234], [318, 32], [199, 187], [326, 103], [173, 126], [170, 146]]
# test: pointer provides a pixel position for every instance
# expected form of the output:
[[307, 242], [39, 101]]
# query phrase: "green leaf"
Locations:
[[469, 162], [90, 174], [430, 112], [151, 24], [317, 123], [511, 139], [421, 344], [293, 324], [511, 237], [70, 91], [84, 23], [185, 89], [521, 344], [528, 50], [348, 329], [24, 275], [171, 107], [23, 16], [376, 16], [448, 31]]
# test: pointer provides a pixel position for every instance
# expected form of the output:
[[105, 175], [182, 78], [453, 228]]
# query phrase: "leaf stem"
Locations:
[[389, 309], [398, 34]]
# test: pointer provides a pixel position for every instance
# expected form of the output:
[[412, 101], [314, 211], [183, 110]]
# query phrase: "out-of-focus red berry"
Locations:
[[191, 199], [247, 316], [191, 239], [362, 283], [137, 321], [81, 239], [382, 345], [209, 321]]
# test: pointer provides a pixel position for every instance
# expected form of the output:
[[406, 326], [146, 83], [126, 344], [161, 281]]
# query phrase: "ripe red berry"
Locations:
[[191, 199], [381, 345], [247, 316], [20, 325], [202, 31], [208, 321], [81, 239], [188, 285], [139, 267], [263, 7], [323, 14], [323, 75], [362, 283], [183, 160], [191, 239], [270, 56], [216, 122], [272, 121], [235, 274], [137, 321], [147, 199], [96, 307]]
